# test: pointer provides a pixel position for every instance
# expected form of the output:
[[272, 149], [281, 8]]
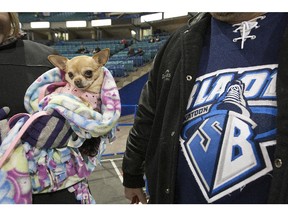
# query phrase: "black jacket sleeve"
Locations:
[[133, 162], [139, 137]]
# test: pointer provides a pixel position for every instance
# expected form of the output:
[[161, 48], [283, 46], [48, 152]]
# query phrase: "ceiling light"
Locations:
[[151, 17], [174, 14], [40, 24], [76, 24], [101, 22]]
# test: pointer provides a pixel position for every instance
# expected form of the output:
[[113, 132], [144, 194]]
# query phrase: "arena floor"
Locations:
[[106, 181]]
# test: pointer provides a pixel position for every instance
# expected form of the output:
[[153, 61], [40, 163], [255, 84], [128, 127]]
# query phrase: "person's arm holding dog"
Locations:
[[22, 62], [10, 40]]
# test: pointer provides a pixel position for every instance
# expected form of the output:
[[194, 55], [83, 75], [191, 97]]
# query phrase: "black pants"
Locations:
[[58, 197]]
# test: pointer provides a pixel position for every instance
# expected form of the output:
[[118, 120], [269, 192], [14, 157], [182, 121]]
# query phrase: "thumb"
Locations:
[[4, 111]]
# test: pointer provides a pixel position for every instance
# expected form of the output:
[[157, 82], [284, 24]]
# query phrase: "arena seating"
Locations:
[[70, 47], [119, 63], [26, 17], [55, 16]]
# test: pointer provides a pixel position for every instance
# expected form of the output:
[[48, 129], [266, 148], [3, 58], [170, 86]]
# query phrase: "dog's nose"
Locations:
[[78, 83]]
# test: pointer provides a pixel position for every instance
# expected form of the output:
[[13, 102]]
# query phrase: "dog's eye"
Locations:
[[70, 74], [88, 74]]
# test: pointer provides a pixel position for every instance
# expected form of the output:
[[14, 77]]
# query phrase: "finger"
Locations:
[[65, 137], [58, 133], [53, 133], [4, 111], [142, 198], [135, 200], [29, 136]]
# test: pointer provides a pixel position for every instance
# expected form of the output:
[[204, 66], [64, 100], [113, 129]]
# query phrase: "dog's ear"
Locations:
[[58, 61], [102, 56]]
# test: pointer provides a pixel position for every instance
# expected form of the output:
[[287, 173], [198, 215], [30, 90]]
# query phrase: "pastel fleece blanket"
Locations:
[[57, 168], [85, 121]]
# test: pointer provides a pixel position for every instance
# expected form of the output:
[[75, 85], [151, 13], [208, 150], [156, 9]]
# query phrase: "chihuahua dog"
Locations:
[[83, 72]]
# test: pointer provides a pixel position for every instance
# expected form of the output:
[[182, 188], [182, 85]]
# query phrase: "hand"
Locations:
[[135, 195], [48, 131], [90, 146], [3, 122]]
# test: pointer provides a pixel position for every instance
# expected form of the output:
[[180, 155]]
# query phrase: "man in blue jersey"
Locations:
[[212, 120]]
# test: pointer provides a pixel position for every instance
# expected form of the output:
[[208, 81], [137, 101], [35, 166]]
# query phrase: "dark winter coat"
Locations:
[[153, 142]]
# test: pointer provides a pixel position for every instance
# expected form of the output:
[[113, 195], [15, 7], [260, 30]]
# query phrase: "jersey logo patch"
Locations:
[[224, 147]]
